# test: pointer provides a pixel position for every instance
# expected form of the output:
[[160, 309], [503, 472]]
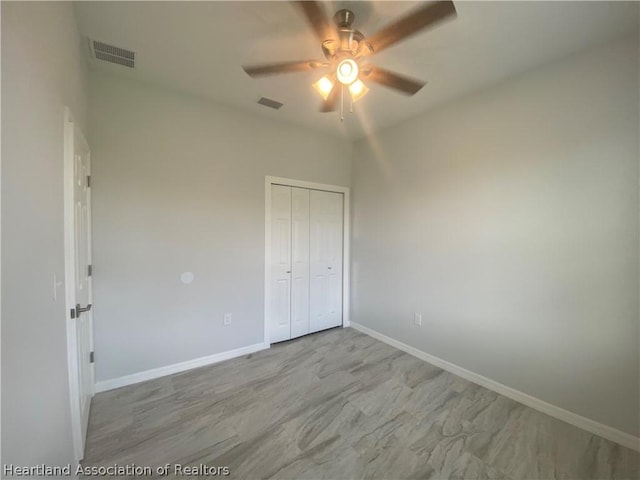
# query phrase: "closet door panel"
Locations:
[[325, 299], [280, 288], [300, 262]]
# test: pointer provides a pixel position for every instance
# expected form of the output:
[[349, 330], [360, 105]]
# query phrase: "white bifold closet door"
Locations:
[[280, 290], [299, 262], [325, 300], [305, 294]]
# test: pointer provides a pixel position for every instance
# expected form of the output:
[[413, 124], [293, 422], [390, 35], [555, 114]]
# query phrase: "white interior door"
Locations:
[[78, 279], [299, 262], [326, 220], [280, 265], [305, 261]]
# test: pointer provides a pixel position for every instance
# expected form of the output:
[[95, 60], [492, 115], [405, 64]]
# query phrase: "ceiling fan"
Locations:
[[347, 50]]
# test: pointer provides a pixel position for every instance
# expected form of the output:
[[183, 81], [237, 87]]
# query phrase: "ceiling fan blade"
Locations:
[[284, 67], [408, 25], [314, 13], [329, 105], [393, 80]]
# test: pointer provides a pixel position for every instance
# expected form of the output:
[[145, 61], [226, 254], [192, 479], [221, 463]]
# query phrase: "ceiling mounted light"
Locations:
[[358, 90], [324, 87], [347, 71]]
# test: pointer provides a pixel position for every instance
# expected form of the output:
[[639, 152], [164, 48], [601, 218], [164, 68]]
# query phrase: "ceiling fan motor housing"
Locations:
[[348, 38]]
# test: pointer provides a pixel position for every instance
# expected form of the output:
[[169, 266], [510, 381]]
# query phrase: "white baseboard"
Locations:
[[617, 436], [177, 367]]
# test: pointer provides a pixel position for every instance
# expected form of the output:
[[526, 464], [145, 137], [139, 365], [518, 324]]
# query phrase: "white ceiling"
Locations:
[[199, 47]]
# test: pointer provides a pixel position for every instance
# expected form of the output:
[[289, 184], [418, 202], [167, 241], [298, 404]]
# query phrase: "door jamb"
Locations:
[[346, 262]]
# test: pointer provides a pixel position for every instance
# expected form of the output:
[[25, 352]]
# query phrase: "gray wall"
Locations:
[[179, 186], [42, 71], [509, 219]]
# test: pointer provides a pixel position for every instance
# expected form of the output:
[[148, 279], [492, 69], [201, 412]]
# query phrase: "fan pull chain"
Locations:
[[350, 103]]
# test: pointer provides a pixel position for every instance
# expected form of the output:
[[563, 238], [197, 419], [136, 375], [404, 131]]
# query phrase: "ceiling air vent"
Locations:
[[267, 102], [111, 54]]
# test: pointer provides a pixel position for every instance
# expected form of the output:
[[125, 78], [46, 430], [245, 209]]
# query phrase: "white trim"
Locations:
[[610, 433], [110, 384], [267, 252], [346, 258], [346, 263]]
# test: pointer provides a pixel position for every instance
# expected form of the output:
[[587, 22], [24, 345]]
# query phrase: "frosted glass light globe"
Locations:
[[347, 71]]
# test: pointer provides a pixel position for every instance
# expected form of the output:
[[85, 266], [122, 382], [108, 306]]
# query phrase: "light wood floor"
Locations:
[[340, 404]]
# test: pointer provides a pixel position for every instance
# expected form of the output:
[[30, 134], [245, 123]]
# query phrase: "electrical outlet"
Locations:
[[227, 319], [417, 319]]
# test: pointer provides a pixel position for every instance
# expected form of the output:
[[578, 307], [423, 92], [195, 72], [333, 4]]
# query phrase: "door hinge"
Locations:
[[91, 357], [88, 181], [89, 270]]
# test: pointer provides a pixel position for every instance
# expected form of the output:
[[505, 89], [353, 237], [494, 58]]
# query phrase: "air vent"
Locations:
[[267, 102], [111, 54]]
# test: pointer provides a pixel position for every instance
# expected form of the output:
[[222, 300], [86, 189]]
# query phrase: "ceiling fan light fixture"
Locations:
[[347, 71], [358, 90], [323, 87], [345, 48]]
